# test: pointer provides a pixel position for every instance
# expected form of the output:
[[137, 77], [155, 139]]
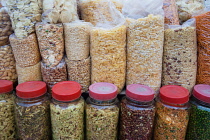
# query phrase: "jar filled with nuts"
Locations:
[[67, 111], [199, 123], [32, 111], [137, 113], [172, 113], [7, 118], [102, 112]]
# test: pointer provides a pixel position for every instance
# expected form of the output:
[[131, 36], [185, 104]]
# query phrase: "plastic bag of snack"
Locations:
[[51, 42], [145, 35], [180, 55], [171, 12], [77, 40], [59, 11]]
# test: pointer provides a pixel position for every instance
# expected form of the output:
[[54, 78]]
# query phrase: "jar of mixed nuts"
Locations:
[[102, 112], [199, 123], [7, 118], [172, 113], [137, 113], [67, 111], [32, 111]]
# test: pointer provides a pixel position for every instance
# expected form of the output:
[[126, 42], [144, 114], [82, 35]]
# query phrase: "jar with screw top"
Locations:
[[7, 118], [199, 123], [102, 112], [32, 111], [172, 113], [67, 111], [137, 113]]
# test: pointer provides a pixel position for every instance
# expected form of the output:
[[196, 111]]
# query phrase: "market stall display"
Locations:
[[203, 31], [7, 64], [77, 40], [144, 61], [32, 111], [79, 71], [7, 116], [67, 111], [24, 14], [51, 42], [137, 113], [59, 11], [102, 112], [172, 114], [180, 55]]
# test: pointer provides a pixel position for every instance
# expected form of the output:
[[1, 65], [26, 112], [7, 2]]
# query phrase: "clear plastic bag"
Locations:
[[31, 73], [7, 64], [180, 55], [171, 12], [145, 35], [5, 27], [54, 74], [26, 50], [24, 14], [203, 39], [51, 43], [79, 71], [101, 12], [187, 8], [77, 40], [59, 11]]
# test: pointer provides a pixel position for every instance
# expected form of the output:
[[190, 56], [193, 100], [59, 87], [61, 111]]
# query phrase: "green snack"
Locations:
[[67, 120], [101, 122], [33, 120], [199, 123], [7, 120]]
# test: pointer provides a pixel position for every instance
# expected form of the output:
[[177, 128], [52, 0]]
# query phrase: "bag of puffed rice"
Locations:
[[145, 35]]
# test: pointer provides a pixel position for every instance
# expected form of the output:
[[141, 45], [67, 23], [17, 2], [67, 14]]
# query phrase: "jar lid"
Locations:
[[174, 94], [103, 91], [202, 92], [5, 86], [139, 92], [66, 91], [31, 89]]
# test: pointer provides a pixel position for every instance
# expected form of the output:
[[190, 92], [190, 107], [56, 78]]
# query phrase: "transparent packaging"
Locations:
[[171, 121], [199, 124], [180, 55], [102, 119], [51, 43], [7, 116], [67, 119], [171, 12], [33, 118], [137, 119]]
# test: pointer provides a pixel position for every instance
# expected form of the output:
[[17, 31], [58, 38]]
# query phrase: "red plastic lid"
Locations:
[[174, 94], [103, 91], [31, 89], [140, 92], [5, 86], [202, 92], [66, 91]]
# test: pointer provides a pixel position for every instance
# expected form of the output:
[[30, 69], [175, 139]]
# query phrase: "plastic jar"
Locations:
[[102, 112], [32, 111], [67, 111], [172, 113], [137, 113], [7, 118], [199, 123]]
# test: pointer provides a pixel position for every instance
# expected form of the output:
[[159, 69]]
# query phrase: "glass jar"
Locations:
[[32, 111], [7, 118], [137, 113], [67, 111], [199, 123], [172, 113], [102, 112]]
